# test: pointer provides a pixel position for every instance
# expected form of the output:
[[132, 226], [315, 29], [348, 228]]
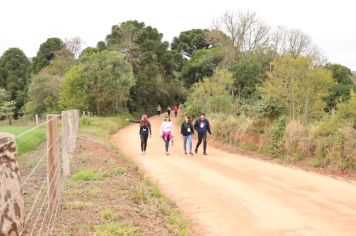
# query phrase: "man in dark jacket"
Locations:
[[202, 127]]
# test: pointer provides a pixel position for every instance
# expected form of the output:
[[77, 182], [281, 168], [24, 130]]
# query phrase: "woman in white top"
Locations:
[[166, 132]]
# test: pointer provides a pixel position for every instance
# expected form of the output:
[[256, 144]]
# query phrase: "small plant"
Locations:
[[114, 229], [139, 195], [108, 215], [118, 171], [88, 175], [277, 133], [77, 205]]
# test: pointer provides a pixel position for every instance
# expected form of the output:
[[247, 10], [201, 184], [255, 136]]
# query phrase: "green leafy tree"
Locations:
[[46, 54], [340, 91], [153, 64], [43, 93], [7, 110], [14, 67], [212, 95], [62, 62], [101, 83], [202, 64], [295, 84], [190, 41]]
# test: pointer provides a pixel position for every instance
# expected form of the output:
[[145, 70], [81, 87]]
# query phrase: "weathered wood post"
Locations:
[[12, 212], [65, 141], [52, 148]]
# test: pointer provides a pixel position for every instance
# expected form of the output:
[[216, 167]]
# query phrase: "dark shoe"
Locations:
[[185, 153], [196, 150], [191, 154], [205, 154]]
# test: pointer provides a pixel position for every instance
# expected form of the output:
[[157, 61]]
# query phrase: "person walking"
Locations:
[[175, 109], [159, 109], [145, 130], [166, 133], [202, 126], [169, 109], [187, 131]]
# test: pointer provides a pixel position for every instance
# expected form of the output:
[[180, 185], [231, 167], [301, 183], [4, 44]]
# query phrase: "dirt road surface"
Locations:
[[230, 194]]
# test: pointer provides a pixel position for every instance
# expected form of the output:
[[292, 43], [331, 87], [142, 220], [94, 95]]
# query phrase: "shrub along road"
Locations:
[[230, 194]]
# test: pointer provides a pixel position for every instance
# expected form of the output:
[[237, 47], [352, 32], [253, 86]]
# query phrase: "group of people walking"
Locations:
[[169, 110], [187, 130]]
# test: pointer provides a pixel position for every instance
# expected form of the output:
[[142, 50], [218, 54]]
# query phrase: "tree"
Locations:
[[239, 31], [190, 41], [202, 64], [62, 62], [101, 83], [101, 45], [213, 95], [153, 64], [298, 86], [74, 45], [7, 110], [340, 91], [43, 93], [46, 54], [14, 67]]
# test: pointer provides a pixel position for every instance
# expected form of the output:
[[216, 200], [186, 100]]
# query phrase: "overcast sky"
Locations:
[[27, 23]]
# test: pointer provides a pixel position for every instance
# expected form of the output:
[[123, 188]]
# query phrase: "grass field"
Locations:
[[28, 142]]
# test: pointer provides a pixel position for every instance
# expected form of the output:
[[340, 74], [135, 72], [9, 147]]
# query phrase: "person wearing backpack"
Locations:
[[202, 127], [159, 109], [187, 131], [145, 130], [175, 109]]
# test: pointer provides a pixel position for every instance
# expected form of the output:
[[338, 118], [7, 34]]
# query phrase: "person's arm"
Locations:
[[161, 130], [208, 127], [196, 125], [182, 129], [192, 130], [134, 121], [149, 126]]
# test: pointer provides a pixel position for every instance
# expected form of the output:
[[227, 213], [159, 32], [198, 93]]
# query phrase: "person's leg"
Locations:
[[205, 143], [145, 142], [142, 142], [190, 140], [200, 138], [185, 144]]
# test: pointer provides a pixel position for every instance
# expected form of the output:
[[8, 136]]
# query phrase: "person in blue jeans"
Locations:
[[202, 126], [187, 131]]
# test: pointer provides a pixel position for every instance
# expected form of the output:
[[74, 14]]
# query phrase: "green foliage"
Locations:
[[100, 84], [190, 41], [88, 175], [277, 136], [108, 214], [62, 62], [153, 64], [43, 94], [114, 229], [7, 110], [340, 91], [46, 54], [298, 86], [211, 95], [14, 67], [202, 64], [28, 142]]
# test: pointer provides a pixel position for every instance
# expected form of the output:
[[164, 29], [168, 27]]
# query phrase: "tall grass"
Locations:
[[28, 142]]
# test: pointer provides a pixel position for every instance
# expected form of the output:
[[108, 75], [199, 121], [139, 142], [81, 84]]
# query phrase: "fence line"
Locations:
[[43, 211]]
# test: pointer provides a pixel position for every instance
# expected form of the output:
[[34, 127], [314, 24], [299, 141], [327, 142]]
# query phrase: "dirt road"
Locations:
[[229, 194]]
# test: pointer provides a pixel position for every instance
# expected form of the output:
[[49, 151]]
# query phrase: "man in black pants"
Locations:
[[202, 127]]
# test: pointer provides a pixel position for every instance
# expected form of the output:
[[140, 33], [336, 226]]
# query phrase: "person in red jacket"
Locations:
[[175, 109]]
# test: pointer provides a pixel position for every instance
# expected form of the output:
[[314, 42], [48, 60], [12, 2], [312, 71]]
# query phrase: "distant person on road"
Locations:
[[202, 126], [169, 109], [166, 133], [175, 109], [159, 109], [145, 130], [187, 131]]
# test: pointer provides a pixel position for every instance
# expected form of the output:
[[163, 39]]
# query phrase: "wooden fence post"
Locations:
[[37, 120], [65, 141], [52, 148], [12, 209]]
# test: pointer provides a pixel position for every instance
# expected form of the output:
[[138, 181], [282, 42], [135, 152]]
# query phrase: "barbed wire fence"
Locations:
[[39, 193]]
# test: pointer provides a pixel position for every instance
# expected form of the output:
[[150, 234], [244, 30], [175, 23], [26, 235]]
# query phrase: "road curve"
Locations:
[[230, 194]]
